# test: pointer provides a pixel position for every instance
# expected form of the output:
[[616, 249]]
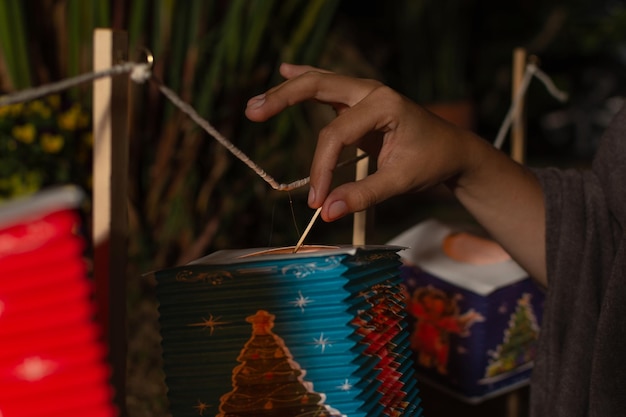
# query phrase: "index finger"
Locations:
[[310, 85], [290, 70], [347, 129]]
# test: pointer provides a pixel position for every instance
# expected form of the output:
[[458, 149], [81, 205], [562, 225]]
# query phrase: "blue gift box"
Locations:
[[473, 321], [321, 332]]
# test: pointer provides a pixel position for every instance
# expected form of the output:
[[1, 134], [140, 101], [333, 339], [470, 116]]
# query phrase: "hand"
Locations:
[[414, 148]]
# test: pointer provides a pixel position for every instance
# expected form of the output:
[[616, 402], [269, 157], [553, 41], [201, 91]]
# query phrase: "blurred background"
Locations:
[[189, 197]]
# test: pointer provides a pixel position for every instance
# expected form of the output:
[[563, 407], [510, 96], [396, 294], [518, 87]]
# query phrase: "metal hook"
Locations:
[[149, 56]]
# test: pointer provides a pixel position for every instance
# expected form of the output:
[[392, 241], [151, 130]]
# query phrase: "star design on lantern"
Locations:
[[201, 407], [35, 369], [301, 302], [365, 294], [345, 386], [322, 342], [210, 323]]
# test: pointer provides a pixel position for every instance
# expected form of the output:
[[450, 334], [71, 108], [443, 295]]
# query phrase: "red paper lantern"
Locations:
[[52, 361]]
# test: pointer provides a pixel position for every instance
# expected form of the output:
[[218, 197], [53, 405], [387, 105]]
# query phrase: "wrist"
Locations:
[[476, 157]]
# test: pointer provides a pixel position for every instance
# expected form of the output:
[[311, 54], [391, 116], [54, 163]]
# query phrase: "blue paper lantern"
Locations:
[[320, 332]]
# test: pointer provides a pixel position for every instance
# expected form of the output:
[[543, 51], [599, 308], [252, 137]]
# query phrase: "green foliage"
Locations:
[[187, 195], [192, 197], [434, 42], [13, 42], [43, 143], [592, 33]]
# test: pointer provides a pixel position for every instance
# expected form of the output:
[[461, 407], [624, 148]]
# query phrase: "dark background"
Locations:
[[188, 197]]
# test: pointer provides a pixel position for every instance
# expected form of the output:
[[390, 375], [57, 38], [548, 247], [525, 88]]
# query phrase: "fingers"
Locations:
[[360, 113], [291, 71], [347, 129], [308, 83], [357, 196]]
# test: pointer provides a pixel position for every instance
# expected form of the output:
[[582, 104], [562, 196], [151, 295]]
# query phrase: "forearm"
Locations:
[[507, 200]]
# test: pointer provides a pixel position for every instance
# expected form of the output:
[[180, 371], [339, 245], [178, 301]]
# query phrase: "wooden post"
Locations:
[[110, 178], [518, 153], [360, 218], [518, 131]]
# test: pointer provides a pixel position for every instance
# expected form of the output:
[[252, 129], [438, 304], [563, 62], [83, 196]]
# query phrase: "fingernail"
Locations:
[[337, 209], [256, 102], [311, 198]]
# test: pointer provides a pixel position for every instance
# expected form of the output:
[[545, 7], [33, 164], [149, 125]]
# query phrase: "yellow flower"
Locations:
[[51, 143], [17, 109], [39, 107], [54, 100], [25, 184], [4, 111], [24, 133], [13, 110], [73, 119]]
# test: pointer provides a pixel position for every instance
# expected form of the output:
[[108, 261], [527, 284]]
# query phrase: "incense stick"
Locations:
[[360, 217], [306, 231]]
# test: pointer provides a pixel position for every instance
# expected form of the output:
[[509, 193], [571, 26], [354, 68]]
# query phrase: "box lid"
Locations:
[[425, 242]]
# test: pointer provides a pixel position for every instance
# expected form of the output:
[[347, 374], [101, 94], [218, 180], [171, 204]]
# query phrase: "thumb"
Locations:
[[357, 196]]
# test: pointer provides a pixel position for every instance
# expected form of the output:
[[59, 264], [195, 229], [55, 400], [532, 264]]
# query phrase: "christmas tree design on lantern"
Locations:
[[268, 382], [518, 347]]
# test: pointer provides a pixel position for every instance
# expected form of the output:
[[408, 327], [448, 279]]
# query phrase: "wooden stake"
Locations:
[[518, 131], [110, 223], [518, 153], [360, 218]]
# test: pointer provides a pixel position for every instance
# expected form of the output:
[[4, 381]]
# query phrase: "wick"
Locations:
[[308, 228]]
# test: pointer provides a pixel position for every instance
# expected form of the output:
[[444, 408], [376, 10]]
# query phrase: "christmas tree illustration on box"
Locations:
[[268, 382], [518, 348]]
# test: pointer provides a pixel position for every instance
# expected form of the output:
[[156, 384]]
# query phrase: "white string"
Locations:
[[238, 153], [549, 84], [141, 72], [204, 124], [531, 70], [44, 90]]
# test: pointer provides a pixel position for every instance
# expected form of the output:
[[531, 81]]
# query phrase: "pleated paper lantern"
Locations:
[[51, 361], [268, 333], [474, 313]]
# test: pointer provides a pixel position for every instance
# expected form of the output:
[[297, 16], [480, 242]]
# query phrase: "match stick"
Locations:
[[308, 228]]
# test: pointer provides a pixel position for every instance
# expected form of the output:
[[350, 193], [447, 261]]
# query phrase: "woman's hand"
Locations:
[[414, 148]]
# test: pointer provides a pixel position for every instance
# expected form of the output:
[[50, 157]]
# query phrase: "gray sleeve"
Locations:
[[577, 372]]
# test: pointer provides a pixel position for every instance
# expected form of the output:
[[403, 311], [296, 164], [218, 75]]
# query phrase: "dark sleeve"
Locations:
[[578, 372]]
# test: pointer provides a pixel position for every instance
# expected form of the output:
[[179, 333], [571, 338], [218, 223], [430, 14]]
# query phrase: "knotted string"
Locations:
[[531, 70], [140, 73]]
